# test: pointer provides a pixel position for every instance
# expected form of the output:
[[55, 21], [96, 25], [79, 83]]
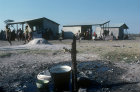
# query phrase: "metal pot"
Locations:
[[61, 77]]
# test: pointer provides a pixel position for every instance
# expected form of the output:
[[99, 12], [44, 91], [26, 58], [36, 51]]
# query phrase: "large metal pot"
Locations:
[[61, 77]]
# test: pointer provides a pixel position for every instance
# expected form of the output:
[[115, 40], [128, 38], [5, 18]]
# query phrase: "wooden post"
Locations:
[[74, 65], [22, 27], [17, 27], [103, 33], [108, 26]]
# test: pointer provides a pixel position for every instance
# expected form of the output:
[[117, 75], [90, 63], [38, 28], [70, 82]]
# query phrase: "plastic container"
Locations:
[[61, 77], [43, 79]]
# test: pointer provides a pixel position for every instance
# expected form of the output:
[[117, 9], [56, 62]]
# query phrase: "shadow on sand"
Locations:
[[101, 76]]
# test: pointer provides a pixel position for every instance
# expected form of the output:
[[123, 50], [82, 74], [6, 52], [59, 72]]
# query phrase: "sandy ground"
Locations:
[[20, 64]]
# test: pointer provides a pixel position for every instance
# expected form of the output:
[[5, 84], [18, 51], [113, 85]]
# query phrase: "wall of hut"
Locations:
[[70, 31], [52, 28], [114, 31]]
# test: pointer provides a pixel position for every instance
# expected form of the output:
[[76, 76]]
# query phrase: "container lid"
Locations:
[[60, 69]]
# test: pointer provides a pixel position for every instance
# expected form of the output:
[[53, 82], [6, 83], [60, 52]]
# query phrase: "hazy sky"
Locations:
[[72, 12]]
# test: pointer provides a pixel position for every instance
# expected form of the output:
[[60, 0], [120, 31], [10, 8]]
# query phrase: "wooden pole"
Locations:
[[108, 26], [74, 65], [103, 32], [22, 27], [17, 27]]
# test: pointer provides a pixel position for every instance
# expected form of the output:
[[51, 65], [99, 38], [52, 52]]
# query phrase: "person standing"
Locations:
[[26, 34], [95, 35], [17, 33], [20, 34], [79, 35], [8, 34], [29, 34]]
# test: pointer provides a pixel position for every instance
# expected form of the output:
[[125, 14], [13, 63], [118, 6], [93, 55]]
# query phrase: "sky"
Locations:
[[70, 12]]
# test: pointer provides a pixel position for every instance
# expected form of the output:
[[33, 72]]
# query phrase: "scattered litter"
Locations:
[[123, 45], [116, 46], [136, 57], [125, 58]]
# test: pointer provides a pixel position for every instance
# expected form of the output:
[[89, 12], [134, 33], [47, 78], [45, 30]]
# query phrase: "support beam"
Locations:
[[106, 22], [103, 30], [108, 26], [17, 27], [22, 27]]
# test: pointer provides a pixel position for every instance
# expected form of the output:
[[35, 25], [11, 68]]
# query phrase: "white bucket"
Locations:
[[43, 79]]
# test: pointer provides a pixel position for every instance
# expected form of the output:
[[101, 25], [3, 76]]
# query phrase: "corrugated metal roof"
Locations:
[[81, 25], [116, 25], [22, 22], [16, 23], [41, 19], [88, 24], [75, 25], [119, 25]]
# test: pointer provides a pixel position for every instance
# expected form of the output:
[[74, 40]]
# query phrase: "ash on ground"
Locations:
[[20, 64]]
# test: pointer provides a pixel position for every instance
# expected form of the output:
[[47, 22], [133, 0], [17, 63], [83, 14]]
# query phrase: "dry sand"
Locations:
[[20, 64]]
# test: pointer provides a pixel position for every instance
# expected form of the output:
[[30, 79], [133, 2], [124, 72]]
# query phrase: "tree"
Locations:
[[8, 21]]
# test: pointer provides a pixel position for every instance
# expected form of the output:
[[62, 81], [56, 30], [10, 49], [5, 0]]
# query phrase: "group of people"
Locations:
[[26, 35], [85, 35]]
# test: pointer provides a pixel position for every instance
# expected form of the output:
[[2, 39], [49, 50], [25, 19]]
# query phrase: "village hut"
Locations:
[[41, 27], [84, 31], [113, 31]]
